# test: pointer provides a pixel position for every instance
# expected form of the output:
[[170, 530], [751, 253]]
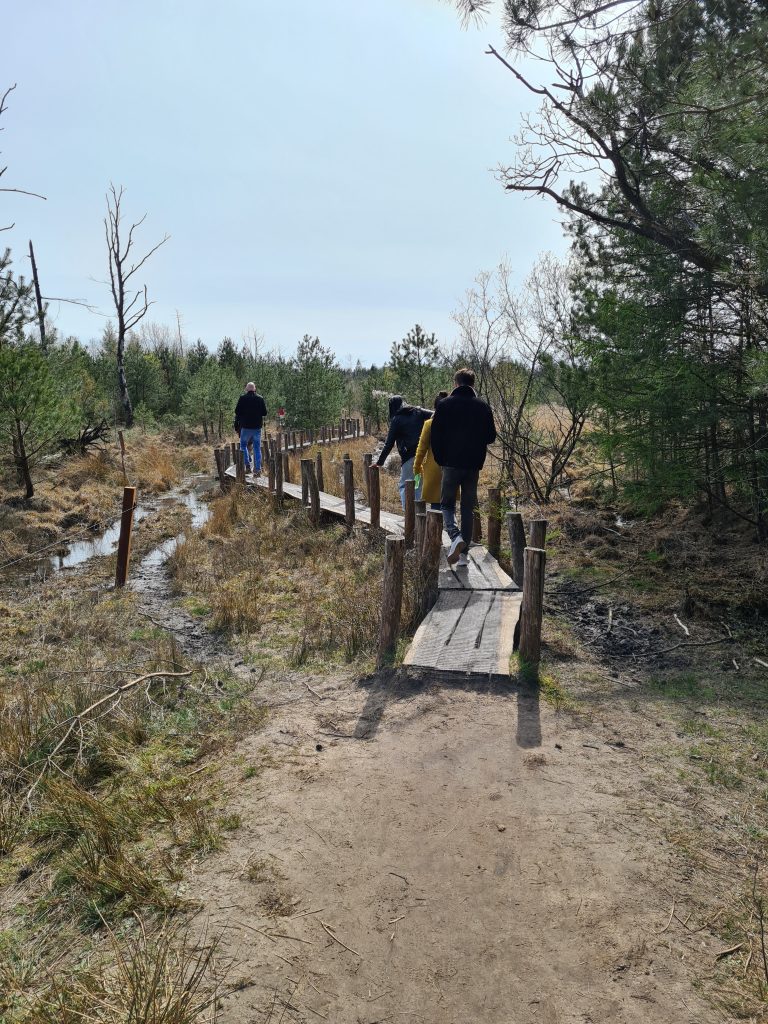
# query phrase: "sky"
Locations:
[[322, 168]]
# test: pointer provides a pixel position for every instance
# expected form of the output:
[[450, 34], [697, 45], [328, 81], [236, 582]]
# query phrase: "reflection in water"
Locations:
[[80, 551], [105, 544]]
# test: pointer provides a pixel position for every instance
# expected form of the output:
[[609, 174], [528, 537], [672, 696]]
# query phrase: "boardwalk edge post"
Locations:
[[374, 496], [531, 614], [391, 600], [517, 546], [410, 513]]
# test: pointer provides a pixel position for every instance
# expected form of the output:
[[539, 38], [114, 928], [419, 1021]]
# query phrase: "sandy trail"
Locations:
[[475, 871]]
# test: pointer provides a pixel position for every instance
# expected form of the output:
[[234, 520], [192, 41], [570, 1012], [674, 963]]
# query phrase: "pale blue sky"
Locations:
[[322, 166]]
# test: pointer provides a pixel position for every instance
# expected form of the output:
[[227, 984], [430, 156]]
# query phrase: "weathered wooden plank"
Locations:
[[429, 638], [467, 631]]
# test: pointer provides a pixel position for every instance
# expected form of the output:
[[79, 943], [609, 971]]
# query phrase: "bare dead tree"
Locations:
[[131, 305], [20, 191], [528, 369]]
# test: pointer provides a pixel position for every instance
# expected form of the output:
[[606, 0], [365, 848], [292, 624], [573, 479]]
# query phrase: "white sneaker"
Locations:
[[463, 561], [455, 550]]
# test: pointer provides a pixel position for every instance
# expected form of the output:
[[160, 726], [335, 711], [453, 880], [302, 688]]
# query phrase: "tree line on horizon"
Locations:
[[648, 348]]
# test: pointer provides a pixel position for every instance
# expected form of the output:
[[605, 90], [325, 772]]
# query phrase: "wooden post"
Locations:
[[314, 493], [322, 435], [391, 600], [124, 543], [494, 521], [235, 449], [538, 533], [301, 439], [226, 453], [374, 496], [477, 527], [286, 467], [410, 513], [271, 473], [349, 493], [532, 613], [240, 466], [305, 482], [367, 460], [219, 461], [433, 539], [517, 546], [279, 461], [319, 471], [419, 526]]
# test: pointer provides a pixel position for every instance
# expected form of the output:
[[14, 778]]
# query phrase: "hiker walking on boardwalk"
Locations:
[[249, 417], [462, 429], [424, 464], [405, 423]]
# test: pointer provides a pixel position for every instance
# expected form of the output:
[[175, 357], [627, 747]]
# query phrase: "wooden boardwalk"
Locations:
[[471, 628]]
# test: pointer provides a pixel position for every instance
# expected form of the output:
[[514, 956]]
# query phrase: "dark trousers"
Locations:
[[453, 479]]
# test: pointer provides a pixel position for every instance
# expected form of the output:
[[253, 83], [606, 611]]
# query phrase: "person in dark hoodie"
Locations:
[[462, 429], [405, 423], [249, 417]]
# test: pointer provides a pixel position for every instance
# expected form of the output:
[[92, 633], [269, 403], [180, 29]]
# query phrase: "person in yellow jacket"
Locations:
[[424, 464]]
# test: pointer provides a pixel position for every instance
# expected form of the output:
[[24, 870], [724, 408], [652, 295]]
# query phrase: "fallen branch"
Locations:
[[682, 625], [697, 643], [337, 939], [727, 952], [77, 719]]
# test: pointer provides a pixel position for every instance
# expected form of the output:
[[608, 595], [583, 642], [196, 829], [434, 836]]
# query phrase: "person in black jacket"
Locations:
[[405, 423], [462, 429], [249, 417]]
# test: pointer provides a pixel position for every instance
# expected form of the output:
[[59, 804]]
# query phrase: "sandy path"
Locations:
[[477, 872]]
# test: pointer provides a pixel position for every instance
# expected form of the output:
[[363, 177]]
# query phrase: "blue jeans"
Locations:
[[406, 473], [248, 434]]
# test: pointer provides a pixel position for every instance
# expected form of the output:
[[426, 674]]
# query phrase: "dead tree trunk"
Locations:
[[38, 300], [130, 306]]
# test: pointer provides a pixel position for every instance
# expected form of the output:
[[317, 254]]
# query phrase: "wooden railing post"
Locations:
[[240, 466], [235, 447], [271, 473], [531, 613], [538, 537], [349, 493], [286, 467], [430, 564], [391, 600], [494, 521], [305, 482], [410, 513], [124, 543], [319, 471], [218, 456], [419, 526], [314, 493], [374, 496], [367, 460], [517, 546], [280, 459]]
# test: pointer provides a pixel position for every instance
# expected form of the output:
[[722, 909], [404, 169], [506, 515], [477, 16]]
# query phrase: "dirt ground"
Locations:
[[439, 850], [463, 854]]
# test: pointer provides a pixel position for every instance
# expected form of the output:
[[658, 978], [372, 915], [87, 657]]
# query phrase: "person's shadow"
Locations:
[[400, 684]]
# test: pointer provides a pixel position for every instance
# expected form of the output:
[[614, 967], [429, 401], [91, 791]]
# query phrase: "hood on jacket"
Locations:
[[395, 404]]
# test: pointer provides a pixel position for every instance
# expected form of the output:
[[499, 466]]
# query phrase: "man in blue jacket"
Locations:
[[462, 429], [405, 423], [249, 416]]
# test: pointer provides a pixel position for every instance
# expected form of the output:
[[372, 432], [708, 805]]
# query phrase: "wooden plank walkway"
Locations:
[[470, 630]]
